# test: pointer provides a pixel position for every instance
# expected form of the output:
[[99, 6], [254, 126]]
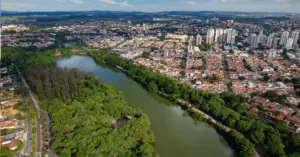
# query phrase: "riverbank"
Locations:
[[154, 82], [226, 107], [172, 128], [189, 107], [222, 129]]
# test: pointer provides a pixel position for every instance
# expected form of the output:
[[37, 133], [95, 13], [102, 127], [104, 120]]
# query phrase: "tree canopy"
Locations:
[[82, 110]]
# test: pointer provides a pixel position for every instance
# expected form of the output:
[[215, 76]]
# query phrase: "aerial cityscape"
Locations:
[[182, 78]]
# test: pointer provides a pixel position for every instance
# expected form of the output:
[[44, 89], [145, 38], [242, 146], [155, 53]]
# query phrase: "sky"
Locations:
[[153, 5]]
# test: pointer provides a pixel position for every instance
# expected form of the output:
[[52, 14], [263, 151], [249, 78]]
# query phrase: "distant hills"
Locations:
[[30, 13]]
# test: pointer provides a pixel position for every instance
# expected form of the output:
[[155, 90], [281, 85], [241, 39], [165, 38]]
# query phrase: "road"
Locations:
[[28, 144], [50, 153], [226, 72], [38, 118]]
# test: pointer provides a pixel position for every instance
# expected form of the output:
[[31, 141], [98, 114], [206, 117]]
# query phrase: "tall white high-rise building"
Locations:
[[264, 40], [253, 40], [190, 46], [233, 36], [225, 35], [260, 39], [230, 36], [289, 43], [295, 37], [210, 36], [219, 35], [284, 38], [261, 32], [198, 40], [270, 40], [275, 43]]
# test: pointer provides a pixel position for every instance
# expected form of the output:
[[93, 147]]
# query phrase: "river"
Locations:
[[176, 135]]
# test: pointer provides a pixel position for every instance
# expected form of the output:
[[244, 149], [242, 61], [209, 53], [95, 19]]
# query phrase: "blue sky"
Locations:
[[152, 5]]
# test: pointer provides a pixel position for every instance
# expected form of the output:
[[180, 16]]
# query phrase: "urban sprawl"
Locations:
[[206, 54]]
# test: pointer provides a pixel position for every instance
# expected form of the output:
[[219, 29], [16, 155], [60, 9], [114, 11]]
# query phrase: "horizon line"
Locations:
[[150, 12]]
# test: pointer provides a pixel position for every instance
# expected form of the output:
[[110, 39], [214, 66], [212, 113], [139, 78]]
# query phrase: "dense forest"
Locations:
[[83, 110], [226, 107]]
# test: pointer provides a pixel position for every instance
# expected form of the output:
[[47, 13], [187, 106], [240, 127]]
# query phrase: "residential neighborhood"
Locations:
[[15, 116]]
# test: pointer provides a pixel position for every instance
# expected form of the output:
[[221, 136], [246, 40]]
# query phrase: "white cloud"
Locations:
[[124, 3], [191, 2], [60, 0], [224, 1], [13, 6], [77, 1], [288, 1]]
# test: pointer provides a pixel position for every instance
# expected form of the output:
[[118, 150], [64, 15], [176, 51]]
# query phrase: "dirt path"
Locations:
[[204, 115]]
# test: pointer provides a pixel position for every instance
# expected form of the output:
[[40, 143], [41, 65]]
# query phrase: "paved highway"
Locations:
[[38, 119], [27, 149]]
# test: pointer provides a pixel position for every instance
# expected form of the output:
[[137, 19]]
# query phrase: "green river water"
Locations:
[[176, 135]]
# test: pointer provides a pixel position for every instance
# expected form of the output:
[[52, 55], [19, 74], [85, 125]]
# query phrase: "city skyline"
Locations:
[[289, 6]]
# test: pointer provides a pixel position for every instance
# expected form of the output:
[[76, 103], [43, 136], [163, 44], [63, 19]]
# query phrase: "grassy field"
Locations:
[[5, 19]]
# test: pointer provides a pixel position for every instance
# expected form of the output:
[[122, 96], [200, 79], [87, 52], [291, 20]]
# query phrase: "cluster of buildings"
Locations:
[[273, 40], [101, 42], [274, 110], [39, 40], [239, 72], [11, 129], [189, 50], [252, 75], [212, 75], [15, 28], [221, 36]]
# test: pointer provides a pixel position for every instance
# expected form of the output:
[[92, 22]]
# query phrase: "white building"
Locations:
[[270, 40], [166, 53], [275, 43], [289, 43], [210, 36], [271, 54], [191, 46], [261, 39], [295, 37], [230, 36], [219, 36], [103, 31], [198, 40], [253, 40], [284, 38]]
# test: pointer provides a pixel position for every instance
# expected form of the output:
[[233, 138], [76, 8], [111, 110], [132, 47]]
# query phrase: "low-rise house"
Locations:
[[255, 109], [293, 122], [12, 145], [10, 124], [4, 81], [3, 70]]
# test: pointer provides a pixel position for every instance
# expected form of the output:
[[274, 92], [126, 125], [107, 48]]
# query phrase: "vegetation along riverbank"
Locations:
[[84, 111], [225, 107]]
